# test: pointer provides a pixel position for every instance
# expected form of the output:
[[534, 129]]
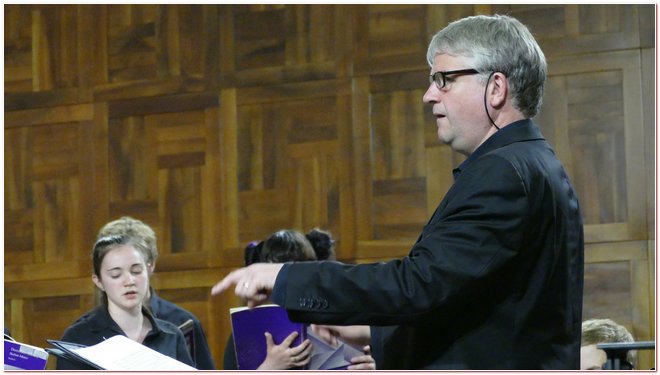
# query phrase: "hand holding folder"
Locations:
[[249, 325]]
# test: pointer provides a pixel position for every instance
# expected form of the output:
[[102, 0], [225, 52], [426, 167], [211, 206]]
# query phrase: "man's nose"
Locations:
[[432, 94]]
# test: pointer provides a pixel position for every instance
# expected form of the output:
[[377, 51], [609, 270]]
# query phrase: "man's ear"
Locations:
[[151, 266], [498, 89], [98, 283]]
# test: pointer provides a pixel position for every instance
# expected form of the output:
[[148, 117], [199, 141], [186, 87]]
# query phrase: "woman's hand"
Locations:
[[363, 362], [282, 357]]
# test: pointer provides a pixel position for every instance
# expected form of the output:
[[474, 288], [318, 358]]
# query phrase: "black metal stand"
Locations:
[[617, 352]]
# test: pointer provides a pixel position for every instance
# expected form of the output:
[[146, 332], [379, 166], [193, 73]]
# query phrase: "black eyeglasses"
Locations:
[[440, 78]]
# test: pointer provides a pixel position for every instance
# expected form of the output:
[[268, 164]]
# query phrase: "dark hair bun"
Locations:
[[253, 252], [322, 243]]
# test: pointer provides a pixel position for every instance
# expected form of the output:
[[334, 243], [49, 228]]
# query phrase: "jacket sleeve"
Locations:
[[465, 250]]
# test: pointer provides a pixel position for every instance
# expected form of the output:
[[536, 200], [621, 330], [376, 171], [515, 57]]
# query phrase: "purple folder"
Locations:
[[248, 327], [19, 356]]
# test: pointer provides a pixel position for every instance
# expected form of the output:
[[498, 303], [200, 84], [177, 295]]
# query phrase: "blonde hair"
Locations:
[[596, 331], [128, 226]]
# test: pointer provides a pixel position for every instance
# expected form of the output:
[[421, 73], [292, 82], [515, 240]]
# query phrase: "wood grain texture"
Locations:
[[219, 124]]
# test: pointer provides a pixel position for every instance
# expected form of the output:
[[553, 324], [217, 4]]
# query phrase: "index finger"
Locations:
[[231, 279]]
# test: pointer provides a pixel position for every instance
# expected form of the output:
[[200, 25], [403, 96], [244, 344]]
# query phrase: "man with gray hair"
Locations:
[[495, 279]]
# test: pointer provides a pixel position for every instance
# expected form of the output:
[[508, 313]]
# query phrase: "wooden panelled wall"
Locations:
[[218, 124]]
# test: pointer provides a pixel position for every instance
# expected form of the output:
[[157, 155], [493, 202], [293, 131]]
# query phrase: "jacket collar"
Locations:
[[521, 130], [155, 302]]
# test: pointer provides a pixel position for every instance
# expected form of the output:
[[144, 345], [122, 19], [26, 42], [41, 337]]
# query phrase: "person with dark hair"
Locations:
[[281, 246], [121, 276], [320, 240], [495, 279], [289, 246]]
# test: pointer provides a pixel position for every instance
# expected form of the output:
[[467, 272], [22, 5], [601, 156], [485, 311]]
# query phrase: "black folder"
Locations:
[[65, 350], [117, 353]]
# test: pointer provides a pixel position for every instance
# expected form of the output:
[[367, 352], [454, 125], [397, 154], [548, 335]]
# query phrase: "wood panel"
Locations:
[[218, 124], [594, 114], [289, 147]]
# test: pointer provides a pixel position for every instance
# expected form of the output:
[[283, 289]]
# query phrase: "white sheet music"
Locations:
[[120, 353]]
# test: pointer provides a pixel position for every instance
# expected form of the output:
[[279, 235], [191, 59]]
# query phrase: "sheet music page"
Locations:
[[120, 353]]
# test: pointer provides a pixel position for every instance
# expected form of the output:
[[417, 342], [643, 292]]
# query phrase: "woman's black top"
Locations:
[[97, 325]]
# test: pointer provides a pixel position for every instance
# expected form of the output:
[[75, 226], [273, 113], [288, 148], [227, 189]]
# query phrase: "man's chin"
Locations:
[[444, 138]]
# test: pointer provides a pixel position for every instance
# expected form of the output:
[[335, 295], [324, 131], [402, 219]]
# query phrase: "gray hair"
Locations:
[[498, 43]]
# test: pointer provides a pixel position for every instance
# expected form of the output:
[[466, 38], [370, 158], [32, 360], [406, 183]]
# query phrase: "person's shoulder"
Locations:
[[90, 316], [167, 326], [78, 325], [81, 328], [166, 310]]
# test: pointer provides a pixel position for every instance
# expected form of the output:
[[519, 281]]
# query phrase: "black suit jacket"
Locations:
[[494, 281]]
